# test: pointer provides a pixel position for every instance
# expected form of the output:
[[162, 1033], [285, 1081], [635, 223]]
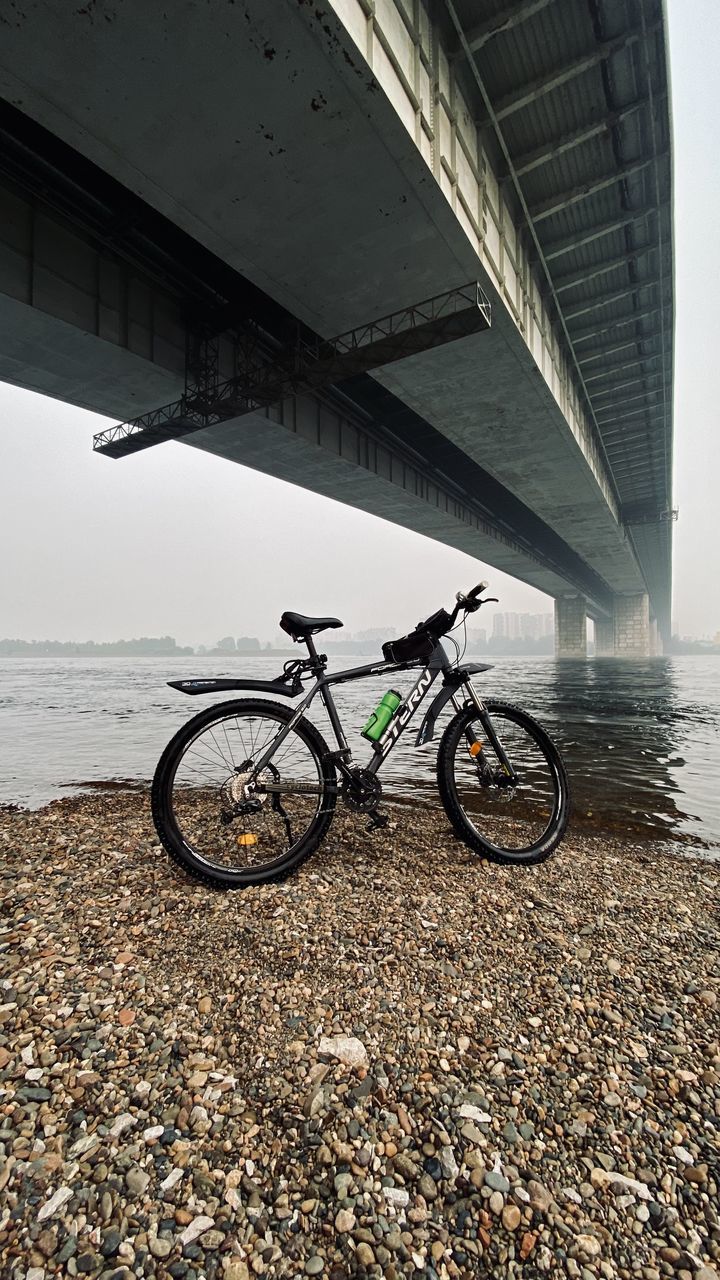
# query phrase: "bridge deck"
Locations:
[[524, 144]]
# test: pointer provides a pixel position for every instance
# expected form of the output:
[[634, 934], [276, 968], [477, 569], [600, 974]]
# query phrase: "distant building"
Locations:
[[477, 639], [522, 626]]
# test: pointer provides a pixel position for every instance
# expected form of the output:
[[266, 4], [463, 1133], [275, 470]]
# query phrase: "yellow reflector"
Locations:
[[476, 748], [247, 838]]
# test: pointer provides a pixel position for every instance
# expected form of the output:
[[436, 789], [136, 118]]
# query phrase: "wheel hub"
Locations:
[[245, 791]]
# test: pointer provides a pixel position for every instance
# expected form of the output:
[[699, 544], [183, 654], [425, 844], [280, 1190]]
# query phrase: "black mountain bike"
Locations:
[[247, 789]]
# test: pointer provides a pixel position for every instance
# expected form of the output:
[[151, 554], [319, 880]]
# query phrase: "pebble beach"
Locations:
[[401, 1062]]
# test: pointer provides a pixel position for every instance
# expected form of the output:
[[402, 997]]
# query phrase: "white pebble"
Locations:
[[55, 1203], [347, 1049], [123, 1122], [397, 1196], [196, 1228], [469, 1112]]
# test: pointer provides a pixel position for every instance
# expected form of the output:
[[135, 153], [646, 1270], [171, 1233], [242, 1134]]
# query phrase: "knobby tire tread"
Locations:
[[161, 793], [448, 790]]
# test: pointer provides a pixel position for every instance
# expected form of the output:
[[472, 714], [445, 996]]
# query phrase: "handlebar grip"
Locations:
[[476, 591]]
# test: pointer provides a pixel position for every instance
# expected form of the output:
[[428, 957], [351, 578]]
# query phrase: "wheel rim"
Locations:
[[224, 821], [513, 819]]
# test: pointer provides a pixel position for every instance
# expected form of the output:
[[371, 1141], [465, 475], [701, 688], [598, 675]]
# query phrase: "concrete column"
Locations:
[[604, 638], [632, 626], [656, 646], [571, 627]]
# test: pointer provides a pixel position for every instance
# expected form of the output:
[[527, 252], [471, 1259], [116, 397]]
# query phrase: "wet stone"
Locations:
[[496, 1181]]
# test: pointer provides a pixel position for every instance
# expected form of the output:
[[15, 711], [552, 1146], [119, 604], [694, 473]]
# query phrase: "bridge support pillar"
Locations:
[[604, 638], [632, 626], [571, 627], [656, 645]]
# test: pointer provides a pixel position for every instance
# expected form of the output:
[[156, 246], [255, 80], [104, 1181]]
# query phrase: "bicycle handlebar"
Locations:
[[470, 602]]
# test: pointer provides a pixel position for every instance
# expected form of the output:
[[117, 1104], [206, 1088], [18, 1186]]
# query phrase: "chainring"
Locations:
[[361, 790]]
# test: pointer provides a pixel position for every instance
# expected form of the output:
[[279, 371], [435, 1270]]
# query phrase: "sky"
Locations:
[[175, 541]]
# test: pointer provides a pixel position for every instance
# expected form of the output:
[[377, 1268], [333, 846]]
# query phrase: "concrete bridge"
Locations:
[[193, 201]]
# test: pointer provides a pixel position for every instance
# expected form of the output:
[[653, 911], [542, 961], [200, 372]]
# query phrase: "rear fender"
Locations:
[[453, 681], [286, 689]]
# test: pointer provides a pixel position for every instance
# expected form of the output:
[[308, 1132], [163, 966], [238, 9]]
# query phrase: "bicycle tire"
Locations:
[[167, 826], [540, 849]]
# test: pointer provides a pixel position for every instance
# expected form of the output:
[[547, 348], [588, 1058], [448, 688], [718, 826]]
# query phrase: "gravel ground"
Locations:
[[401, 1062]]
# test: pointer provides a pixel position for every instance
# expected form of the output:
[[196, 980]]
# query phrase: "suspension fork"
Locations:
[[475, 747]]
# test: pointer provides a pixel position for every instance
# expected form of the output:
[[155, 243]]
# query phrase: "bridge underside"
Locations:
[[280, 185]]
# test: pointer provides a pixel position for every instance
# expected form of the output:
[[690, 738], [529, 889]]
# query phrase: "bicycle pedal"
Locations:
[[377, 820]]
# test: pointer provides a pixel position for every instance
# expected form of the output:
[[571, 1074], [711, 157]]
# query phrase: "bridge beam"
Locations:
[[528, 94], [568, 141], [513, 16]]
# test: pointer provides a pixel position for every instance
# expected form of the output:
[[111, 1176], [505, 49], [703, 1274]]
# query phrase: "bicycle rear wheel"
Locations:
[[218, 824], [508, 821]]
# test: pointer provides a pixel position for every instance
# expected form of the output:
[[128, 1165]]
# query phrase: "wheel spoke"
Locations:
[[221, 812], [514, 814]]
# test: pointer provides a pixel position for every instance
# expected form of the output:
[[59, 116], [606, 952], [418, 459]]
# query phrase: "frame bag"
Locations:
[[416, 647]]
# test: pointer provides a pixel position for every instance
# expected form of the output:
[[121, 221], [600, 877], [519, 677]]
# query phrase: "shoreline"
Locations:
[[536, 1089], [678, 843]]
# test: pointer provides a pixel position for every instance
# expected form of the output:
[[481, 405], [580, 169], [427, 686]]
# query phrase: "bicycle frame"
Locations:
[[437, 664]]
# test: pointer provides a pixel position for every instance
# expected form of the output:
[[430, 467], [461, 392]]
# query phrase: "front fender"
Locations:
[[426, 732]]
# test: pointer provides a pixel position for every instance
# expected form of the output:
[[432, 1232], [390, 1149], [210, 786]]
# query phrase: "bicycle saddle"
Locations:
[[298, 626]]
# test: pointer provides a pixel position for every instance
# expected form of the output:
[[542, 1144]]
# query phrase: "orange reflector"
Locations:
[[475, 748], [247, 838]]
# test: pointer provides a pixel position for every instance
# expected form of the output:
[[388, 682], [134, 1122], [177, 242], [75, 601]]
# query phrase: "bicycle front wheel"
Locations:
[[222, 821], [518, 818]]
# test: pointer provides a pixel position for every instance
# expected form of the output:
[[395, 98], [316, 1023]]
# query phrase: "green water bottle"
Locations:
[[382, 715]]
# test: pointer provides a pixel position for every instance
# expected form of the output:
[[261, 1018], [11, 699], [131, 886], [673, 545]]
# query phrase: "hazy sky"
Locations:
[[176, 541]]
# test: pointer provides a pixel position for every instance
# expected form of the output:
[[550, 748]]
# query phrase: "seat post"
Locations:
[[312, 652]]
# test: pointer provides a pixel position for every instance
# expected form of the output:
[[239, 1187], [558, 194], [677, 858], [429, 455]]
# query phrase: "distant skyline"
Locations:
[[176, 541], [499, 624]]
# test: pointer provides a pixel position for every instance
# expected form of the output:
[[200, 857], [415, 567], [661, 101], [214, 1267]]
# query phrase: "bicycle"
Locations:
[[247, 789]]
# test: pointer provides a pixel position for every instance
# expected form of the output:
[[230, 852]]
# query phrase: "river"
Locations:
[[641, 739]]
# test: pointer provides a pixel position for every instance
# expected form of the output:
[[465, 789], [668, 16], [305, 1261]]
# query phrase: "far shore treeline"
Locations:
[[247, 646], [244, 647], [146, 646]]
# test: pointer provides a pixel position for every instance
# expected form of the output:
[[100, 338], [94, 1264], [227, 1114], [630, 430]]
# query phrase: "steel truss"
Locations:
[[304, 367]]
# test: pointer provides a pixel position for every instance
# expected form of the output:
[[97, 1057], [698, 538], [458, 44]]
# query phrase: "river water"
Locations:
[[641, 740]]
